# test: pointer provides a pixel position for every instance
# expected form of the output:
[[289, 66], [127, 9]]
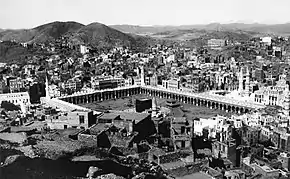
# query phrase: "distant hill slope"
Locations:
[[101, 35], [96, 34], [238, 35], [279, 29], [205, 34], [43, 33], [55, 30], [11, 52], [142, 29]]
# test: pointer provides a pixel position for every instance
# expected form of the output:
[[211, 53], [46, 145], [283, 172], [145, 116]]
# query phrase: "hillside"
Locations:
[[279, 29], [142, 30], [55, 30], [180, 34], [12, 52], [196, 34], [160, 29], [43, 33], [96, 34], [99, 35], [120, 34], [228, 35]]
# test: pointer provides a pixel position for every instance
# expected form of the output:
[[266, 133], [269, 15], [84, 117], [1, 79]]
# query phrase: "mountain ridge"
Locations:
[[95, 34], [97, 31], [255, 27], [42, 33], [100, 34]]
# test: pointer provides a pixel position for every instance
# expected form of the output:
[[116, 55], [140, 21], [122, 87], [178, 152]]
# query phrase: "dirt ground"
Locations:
[[190, 111]]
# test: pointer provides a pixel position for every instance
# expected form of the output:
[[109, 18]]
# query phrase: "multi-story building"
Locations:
[[252, 135], [128, 81], [16, 98], [137, 81], [266, 40], [259, 75], [281, 139], [151, 80], [16, 85], [211, 124], [71, 119], [188, 88], [266, 133], [84, 49], [181, 133], [216, 43], [225, 146], [68, 115], [266, 171], [107, 83], [284, 158], [172, 84], [54, 91], [226, 150], [73, 84], [272, 95], [29, 69], [3, 87]]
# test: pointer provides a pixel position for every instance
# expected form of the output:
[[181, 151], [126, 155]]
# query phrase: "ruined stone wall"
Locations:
[[143, 155], [185, 170], [87, 138], [170, 157]]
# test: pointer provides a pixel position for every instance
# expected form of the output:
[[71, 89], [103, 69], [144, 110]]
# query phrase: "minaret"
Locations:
[[142, 76], [154, 106], [22, 107], [46, 88], [247, 84], [241, 80], [138, 72], [287, 101]]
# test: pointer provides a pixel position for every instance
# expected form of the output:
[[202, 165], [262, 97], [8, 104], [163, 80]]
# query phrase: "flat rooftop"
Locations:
[[65, 106], [198, 175], [177, 112], [130, 116], [110, 115]]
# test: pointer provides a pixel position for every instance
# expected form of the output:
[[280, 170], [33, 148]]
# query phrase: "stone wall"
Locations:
[[185, 170], [87, 138], [143, 155], [170, 157], [19, 138]]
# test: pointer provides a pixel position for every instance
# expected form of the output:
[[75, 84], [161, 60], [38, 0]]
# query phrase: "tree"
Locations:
[[9, 106]]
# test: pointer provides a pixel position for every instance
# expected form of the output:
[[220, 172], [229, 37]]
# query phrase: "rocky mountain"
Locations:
[[55, 30], [101, 35], [96, 34], [43, 33]]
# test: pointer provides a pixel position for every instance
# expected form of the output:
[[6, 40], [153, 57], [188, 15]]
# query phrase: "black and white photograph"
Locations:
[[144, 89]]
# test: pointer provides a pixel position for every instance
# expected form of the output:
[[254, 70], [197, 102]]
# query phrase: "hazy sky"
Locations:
[[31, 13]]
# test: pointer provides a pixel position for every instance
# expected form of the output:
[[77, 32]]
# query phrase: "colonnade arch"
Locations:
[[116, 94]]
